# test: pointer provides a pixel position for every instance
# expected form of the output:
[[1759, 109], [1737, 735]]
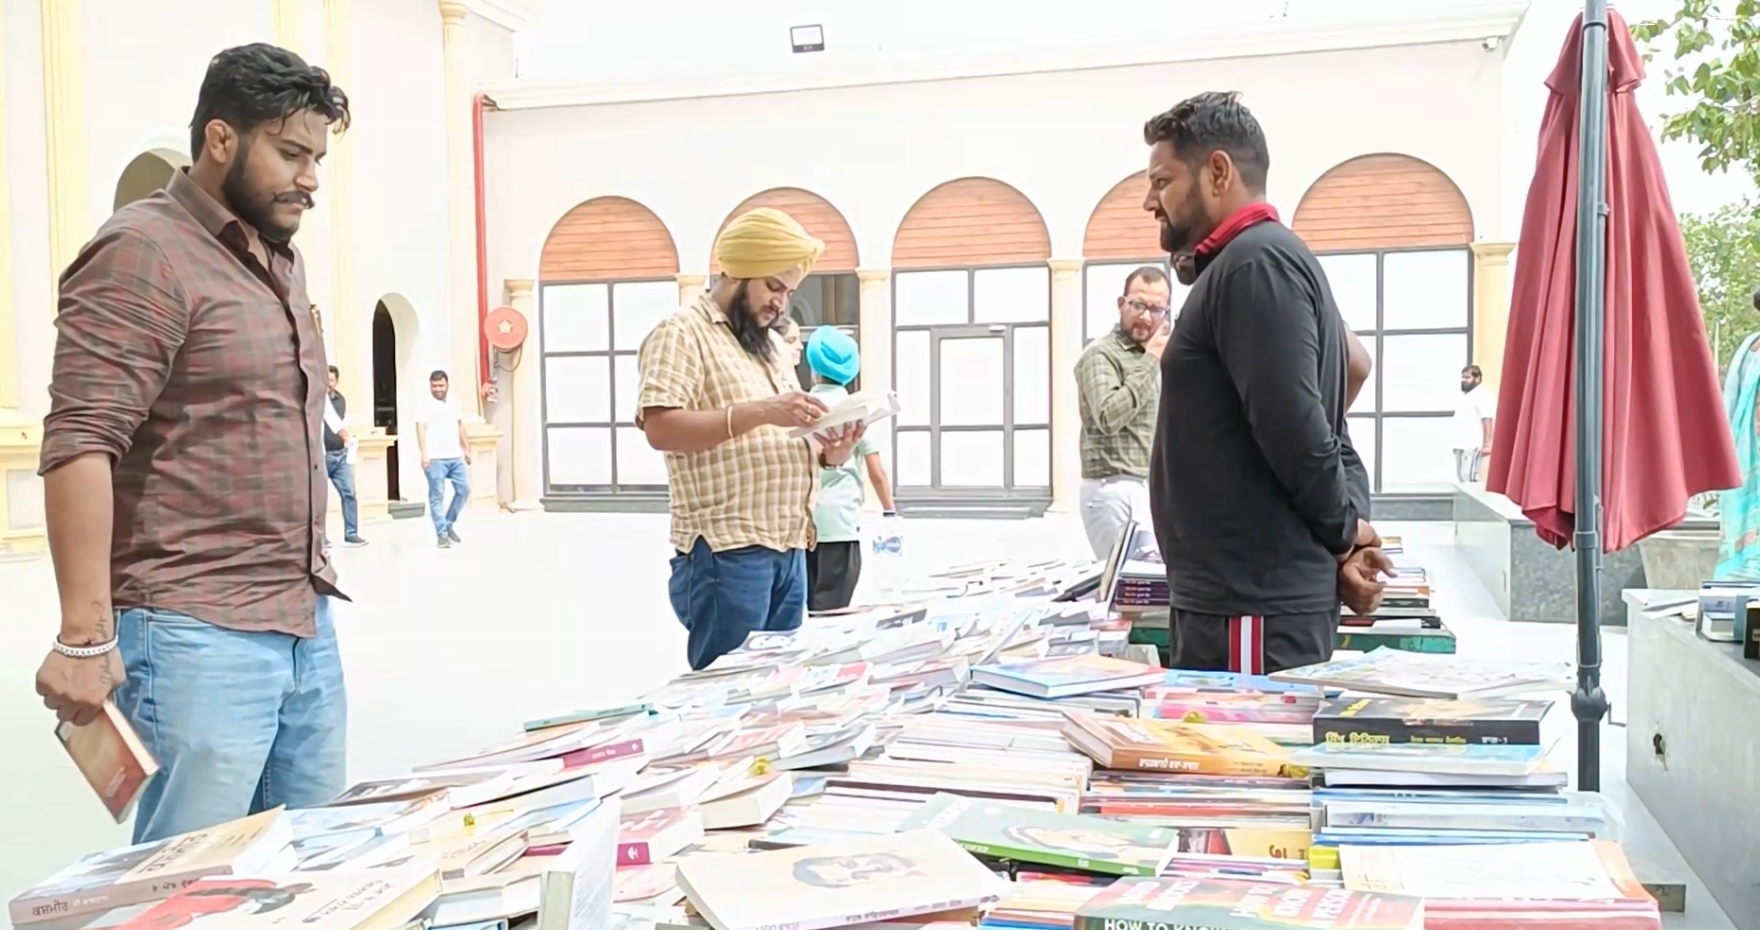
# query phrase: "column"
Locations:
[[64, 131], [8, 333], [689, 286], [527, 448], [461, 196], [1066, 346], [349, 317], [1491, 295], [874, 334], [290, 27]]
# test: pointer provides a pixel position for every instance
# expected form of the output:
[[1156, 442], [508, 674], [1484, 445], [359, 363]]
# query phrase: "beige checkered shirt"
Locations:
[[755, 490]]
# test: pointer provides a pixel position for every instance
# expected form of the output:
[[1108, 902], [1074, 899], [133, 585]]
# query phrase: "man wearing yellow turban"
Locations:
[[719, 396]]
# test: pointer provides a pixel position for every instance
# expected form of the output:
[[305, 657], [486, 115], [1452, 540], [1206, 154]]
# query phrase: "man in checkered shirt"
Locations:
[[719, 396]]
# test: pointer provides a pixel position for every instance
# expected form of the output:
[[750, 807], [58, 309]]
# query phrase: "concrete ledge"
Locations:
[[1693, 754], [1530, 580]]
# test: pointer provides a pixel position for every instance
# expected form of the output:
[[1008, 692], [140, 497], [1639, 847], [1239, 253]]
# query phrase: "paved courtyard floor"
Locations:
[[447, 651]]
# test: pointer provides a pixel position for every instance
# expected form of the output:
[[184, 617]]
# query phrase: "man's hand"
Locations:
[[791, 409], [424, 464], [837, 445], [76, 689], [1366, 538], [1158, 342], [1359, 580], [467, 456]]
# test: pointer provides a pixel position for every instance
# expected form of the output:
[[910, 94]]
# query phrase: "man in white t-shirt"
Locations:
[[1471, 429], [445, 457]]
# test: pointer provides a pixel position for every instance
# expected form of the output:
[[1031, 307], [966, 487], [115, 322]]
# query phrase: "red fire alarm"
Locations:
[[505, 328]]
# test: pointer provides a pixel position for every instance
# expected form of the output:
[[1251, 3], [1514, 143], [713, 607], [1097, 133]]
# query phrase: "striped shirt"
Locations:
[[1117, 385], [757, 489]]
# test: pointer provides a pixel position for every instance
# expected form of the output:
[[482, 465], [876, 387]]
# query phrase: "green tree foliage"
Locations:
[[1716, 67], [1724, 249]]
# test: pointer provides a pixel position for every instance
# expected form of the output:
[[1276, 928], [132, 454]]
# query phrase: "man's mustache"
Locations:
[[300, 197]]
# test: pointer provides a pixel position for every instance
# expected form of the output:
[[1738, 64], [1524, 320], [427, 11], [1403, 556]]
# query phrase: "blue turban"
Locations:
[[833, 355]]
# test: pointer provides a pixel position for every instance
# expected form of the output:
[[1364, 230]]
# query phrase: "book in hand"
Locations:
[[866, 407], [112, 758], [1215, 904], [1025, 834], [873, 878], [1487, 721], [381, 899], [157, 870]]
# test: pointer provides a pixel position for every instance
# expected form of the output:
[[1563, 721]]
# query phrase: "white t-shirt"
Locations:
[[1474, 407], [441, 418]]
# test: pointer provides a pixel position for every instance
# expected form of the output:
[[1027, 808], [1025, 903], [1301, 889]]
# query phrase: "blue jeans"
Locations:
[[342, 475], [440, 471], [240, 722], [722, 596]]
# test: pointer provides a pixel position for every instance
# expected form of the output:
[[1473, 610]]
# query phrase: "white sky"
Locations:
[[597, 39]]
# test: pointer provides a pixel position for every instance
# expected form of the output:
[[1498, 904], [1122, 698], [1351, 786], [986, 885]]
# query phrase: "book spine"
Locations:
[[1394, 730], [605, 753]]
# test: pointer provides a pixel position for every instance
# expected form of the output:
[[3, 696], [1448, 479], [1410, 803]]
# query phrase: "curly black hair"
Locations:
[[1209, 122], [259, 83]]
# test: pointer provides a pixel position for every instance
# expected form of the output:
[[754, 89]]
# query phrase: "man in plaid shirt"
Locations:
[[1118, 383], [719, 396]]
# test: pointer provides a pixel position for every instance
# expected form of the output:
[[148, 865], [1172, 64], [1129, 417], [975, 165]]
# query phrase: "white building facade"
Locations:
[[980, 218]]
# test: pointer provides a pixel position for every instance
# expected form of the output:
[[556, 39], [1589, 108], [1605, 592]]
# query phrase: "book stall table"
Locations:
[[974, 756]]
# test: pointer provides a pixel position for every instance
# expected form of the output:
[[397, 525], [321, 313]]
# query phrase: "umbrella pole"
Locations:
[[1589, 702]]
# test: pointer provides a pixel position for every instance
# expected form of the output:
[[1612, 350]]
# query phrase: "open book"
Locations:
[[868, 407]]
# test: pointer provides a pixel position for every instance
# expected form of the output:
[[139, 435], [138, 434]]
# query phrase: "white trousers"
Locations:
[[1110, 503]]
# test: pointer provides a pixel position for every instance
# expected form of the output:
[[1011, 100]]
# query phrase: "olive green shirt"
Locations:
[[1117, 384]]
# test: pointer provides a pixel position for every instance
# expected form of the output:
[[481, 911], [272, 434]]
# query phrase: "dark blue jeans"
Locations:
[[440, 473], [342, 476], [722, 596]]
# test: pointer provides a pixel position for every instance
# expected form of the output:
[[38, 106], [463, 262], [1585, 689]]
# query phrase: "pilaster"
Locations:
[[64, 131], [1491, 297], [526, 451], [8, 330], [484, 440], [461, 201], [372, 493], [349, 316], [1066, 346], [22, 530], [689, 286]]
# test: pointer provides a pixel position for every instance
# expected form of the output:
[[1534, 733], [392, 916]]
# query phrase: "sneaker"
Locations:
[[453, 535], [354, 543], [445, 543]]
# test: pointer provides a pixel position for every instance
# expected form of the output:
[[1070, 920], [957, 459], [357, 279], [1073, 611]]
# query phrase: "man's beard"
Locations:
[[743, 320], [255, 210], [1182, 233], [1467, 386]]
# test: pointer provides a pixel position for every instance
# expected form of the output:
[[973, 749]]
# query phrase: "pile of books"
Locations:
[[1406, 619], [978, 756], [1135, 578]]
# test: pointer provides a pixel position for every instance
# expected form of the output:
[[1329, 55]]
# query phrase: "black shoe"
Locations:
[[445, 543], [354, 543], [453, 535]]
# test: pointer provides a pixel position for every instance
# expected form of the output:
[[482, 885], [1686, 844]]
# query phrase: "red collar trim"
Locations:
[[1246, 217]]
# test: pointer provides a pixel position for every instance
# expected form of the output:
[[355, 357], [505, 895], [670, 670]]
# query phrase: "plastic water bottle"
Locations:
[[888, 556]]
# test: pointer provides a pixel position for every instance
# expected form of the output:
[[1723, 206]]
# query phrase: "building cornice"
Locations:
[[1413, 24], [511, 15]]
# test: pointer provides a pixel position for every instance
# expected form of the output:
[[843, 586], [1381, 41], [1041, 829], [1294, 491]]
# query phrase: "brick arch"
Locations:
[[971, 222], [810, 210], [608, 239], [1120, 229], [1383, 201]]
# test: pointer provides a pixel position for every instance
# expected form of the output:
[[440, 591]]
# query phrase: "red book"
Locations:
[[111, 757], [643, 839], [593, 755]]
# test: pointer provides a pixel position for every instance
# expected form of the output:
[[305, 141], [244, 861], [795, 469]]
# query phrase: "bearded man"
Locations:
[[1260, 503], [719, 396]]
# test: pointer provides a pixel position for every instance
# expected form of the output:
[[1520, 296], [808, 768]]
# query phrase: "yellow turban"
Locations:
[[764, 242]]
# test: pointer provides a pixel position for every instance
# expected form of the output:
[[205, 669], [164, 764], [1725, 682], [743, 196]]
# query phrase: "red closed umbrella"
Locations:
[[1664, 436]]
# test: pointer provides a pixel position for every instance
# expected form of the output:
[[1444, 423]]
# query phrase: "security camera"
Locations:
[[1490, 43]]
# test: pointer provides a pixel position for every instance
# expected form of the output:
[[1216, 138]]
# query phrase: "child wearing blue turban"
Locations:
[[834, 566]]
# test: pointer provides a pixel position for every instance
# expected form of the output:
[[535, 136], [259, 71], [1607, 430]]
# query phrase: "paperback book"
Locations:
[[1023, 834]]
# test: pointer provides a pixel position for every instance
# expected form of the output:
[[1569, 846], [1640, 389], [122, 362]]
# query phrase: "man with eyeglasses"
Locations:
[[1118, 384]]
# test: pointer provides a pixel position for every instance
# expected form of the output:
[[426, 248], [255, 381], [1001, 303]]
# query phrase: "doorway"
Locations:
[[385, 391], [147, 173]]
